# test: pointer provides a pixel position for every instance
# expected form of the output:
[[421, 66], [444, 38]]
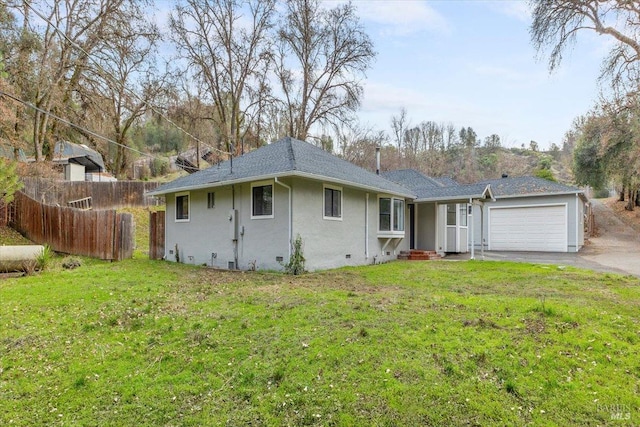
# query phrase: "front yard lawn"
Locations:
[[431, 343]]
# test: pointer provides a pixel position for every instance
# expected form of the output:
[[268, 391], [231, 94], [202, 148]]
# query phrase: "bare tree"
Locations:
[[357, 143], [57, 39], [226, 46], [321, 56], [121, 82], [557, 22], [399, 125]]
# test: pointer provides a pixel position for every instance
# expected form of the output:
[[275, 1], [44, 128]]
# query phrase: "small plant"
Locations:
[[71, 262], [510, 387], [29, 266], [44, 259], [295, 265], [252, 265]]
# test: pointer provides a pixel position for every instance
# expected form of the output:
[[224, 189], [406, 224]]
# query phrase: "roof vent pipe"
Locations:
[[377, 160]]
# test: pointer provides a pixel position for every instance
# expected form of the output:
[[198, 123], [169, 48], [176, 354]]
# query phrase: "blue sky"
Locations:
[[472, 63]]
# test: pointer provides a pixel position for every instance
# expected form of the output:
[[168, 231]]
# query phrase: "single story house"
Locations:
[[245, 213], [505, 214]]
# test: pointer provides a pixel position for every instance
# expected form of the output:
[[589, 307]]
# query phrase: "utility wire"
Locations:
[[114, 80], [67, 122]]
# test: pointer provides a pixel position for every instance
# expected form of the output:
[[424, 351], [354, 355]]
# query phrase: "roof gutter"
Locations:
[[563, 193]]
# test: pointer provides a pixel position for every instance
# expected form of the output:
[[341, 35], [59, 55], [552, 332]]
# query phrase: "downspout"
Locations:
[[470, 221], [290, 213], [577, 223], [482, 230], [366, 227], [235, 242]]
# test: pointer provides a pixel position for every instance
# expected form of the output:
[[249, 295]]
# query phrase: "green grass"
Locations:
[[141, 221], [442, 343], [10, 237]]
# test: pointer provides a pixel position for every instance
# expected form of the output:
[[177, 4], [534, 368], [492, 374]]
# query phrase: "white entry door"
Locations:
[[528, 228], [456, 230]]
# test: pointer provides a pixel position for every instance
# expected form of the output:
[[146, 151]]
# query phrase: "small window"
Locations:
[[211, 200], [391, 215], [332, 203], [182, 207], [451, 214], [463, 214], [385, 214], [262, 201], [398, 215]]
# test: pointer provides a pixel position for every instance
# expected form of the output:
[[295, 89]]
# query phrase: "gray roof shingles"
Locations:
[[455, 192], [526, 185], [287, 156], [411, 178]]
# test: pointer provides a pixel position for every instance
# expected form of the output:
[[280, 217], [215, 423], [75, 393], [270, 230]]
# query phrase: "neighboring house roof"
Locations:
[[8, 152], [68, 152], [527, 186], [285, 157]]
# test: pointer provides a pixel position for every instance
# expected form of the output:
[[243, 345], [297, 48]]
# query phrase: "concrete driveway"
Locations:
[[616, 249]]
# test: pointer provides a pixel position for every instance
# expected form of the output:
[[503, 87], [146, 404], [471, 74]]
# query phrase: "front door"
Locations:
[[456, 233], [412, 220]]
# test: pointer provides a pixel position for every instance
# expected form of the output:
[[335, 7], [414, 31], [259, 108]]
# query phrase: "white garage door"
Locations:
[[531, 228]]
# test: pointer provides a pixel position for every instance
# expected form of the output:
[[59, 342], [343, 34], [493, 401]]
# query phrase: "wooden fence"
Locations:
[[104, 195], [103, 234], [156, 235]]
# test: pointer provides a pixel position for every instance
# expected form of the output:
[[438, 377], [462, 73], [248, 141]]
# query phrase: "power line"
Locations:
[[67, 122], [114, 80]]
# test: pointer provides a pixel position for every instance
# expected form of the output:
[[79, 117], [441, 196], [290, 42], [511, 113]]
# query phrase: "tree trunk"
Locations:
[[621, 195], [632, 200]]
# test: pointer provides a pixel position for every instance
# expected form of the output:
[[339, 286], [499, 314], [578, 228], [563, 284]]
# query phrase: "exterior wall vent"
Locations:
[[348, 256], [232, 265], [279, 259]]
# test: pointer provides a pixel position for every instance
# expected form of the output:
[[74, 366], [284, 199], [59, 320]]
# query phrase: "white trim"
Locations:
[[391, 233], [366, 226], [273, 198], [336, 188], [578, 216], [532, 205], [175, 207], [415, 225]]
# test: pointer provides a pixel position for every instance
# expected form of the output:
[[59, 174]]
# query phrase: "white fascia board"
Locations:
[[514, 196]]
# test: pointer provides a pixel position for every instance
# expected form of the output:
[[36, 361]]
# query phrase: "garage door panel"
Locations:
[[534, 228]]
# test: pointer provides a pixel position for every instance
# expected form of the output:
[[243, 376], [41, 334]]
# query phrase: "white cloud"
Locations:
[[519, 10], [386, 97], [401, 18]]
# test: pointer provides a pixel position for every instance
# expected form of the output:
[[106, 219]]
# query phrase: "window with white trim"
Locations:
[[332, 202], [391, 214], [262, 200], [398, 215], [182, 207]]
